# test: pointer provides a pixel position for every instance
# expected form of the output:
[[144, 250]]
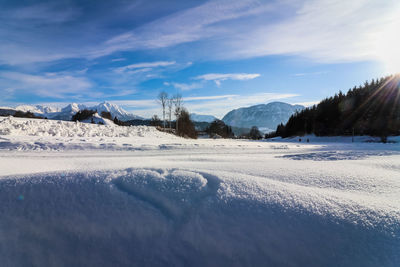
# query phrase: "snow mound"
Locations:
[[176, 217], [97, 119], [37, 127], [171, 192]]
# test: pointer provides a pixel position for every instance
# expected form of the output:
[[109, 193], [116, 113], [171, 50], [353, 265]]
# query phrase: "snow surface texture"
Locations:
[[193, 202]]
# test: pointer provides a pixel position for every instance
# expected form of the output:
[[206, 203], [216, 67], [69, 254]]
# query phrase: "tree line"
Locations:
[[369, 109]]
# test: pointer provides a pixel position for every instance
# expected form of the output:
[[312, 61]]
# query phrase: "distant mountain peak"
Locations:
[[265, 116], [115, 110], [202, 118]]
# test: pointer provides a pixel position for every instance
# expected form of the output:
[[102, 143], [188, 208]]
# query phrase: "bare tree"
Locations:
[[170, 104], [163, 99], [177, 100]]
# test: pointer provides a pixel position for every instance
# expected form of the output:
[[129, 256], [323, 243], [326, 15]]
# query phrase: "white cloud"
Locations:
[[307, 104], [310, 73], [118, 59], [189, 25], [322, 30], [184, 86], [214, 97], [219, 77], [42, 13], [47, 85], [145, 65]]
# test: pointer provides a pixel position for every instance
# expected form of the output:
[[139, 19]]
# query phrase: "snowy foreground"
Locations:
[[76, 194]]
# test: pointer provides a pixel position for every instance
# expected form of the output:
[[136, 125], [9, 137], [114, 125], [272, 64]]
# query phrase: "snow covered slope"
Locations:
[[67, 112], [134, 196], [202, 118], [38, 109], [266, 116], [97, 119], [115, 110]]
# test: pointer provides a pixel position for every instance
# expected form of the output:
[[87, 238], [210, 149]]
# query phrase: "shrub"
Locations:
[[255, 134], [155, 121], [106, 115], [28, 114], [186, 126], [218, 127], [83, 115]]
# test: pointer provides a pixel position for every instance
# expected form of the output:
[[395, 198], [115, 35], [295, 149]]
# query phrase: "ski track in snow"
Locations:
[[78, 194]]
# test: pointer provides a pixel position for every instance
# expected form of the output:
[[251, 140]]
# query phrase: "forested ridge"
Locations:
[[370, 109]]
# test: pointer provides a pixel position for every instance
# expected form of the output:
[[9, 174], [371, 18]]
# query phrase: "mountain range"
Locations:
[[67, 112], [265, 116]]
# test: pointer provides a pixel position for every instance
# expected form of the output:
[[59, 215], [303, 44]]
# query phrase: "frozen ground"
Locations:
[[77, 194]]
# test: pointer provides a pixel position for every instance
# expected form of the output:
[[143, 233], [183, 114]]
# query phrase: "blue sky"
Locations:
[[219, 54]]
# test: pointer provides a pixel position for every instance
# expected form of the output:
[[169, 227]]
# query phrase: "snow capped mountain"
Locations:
[[115, 110], [37, 109], [264, 116], [74, 107], [202, 118], [67, 112]]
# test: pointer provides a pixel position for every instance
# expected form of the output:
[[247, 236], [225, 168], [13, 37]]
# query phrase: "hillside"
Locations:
[[264, 116], [202, 118], [371, 109]]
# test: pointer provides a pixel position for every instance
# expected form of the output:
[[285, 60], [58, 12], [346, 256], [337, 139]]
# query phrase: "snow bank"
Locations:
[[158, 217], [39, 127], [37, 134]]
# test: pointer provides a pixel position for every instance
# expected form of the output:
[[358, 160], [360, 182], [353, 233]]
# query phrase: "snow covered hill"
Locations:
[[202, 118], [265, 116]]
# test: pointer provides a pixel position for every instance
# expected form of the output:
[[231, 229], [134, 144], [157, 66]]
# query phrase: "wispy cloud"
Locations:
[[190, 25], [42, 13], [118, 59], [47, 85], [322, 30], [184, 86], [214, 97], [310, 73], [307, 104], [219, 77], [146, 65]]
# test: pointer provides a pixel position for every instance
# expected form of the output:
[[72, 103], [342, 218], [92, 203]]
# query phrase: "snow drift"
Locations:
[[158, 217]]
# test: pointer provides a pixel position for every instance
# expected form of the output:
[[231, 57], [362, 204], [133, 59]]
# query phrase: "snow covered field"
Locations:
[[76, 194]]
